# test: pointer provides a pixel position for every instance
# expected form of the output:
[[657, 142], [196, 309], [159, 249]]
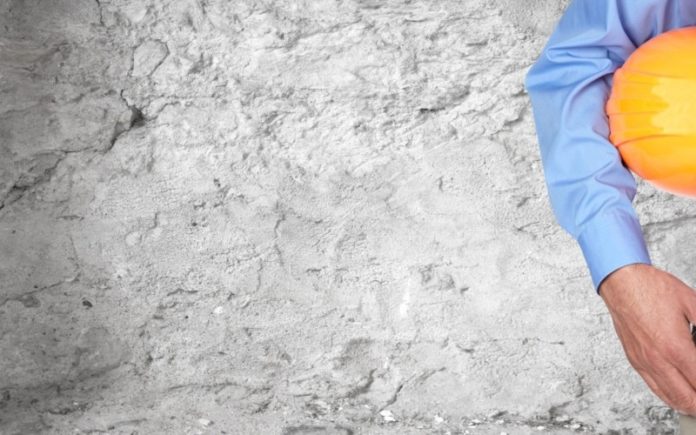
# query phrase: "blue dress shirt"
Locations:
[[590, 189]]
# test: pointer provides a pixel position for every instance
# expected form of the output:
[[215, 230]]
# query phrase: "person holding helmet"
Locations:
[[591, 190]]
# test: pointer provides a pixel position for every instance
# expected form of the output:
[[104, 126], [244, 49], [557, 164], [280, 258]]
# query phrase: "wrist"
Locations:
[[622, 280]]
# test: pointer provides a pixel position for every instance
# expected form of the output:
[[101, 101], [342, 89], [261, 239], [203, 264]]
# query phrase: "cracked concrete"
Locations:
[[295, 218]]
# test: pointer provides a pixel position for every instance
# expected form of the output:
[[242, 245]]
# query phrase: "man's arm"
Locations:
[[592, 192]]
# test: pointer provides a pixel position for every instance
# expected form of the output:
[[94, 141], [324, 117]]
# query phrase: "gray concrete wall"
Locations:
[[295, 217]]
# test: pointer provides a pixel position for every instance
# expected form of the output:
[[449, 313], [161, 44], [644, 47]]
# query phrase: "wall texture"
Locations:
[[295, 217]]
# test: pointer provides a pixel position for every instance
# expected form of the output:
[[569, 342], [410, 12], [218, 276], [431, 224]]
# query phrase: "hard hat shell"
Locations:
[[652, 111]]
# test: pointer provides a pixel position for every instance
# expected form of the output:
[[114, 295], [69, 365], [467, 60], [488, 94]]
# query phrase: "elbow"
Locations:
[[536, 77], [543, 71], [530, 78]]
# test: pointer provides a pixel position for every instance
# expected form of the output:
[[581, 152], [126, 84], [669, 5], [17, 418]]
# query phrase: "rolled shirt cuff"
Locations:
[[610, 241]]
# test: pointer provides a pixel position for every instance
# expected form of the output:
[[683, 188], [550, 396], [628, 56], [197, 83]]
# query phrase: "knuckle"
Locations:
[[668, 400], [656, 359], [673, 353], [680, 359], [685, 402], [662, 344], [688, 409], [666, 350]]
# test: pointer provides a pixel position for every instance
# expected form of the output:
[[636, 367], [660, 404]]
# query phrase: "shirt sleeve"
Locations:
[[590, 189]]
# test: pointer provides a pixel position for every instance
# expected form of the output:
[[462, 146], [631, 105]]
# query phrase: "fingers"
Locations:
[[650, 381], [651, 311], [670, 385], [669, 370], [683, 357], [679, 393], [684, 353], [674, 371]]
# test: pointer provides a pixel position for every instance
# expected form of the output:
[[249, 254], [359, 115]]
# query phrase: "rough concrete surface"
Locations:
[[296, 217]]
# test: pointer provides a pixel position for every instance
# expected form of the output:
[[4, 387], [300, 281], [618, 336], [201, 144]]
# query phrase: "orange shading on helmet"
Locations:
[[652, 111]]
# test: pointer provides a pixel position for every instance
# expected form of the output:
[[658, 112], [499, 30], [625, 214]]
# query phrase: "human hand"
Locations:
[[651, 310]]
